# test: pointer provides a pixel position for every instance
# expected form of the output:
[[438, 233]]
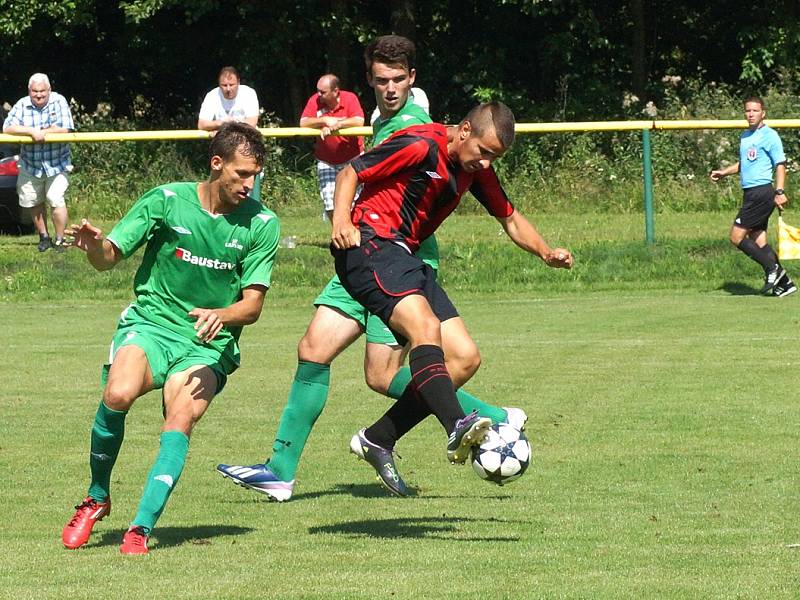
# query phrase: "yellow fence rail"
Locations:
[[283, 132], [644, 126]]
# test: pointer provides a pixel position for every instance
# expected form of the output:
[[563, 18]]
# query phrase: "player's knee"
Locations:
[[310, 349], [378, 380], [119, 396], [464, 365], [183, 421]]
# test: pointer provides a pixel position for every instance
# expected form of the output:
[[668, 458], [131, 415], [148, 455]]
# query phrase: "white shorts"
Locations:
[[33, 191]]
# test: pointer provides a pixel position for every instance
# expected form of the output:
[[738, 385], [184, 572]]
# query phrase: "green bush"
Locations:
[[559, 172]]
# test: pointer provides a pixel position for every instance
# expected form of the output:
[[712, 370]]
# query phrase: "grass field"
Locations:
[[663, 422], [665, 464]]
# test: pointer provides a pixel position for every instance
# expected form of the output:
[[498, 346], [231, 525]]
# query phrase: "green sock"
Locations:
[[306, 400], [163, 478], [467, 401], [108, 432]]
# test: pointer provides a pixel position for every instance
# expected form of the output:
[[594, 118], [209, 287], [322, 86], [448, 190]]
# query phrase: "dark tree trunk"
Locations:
[[639, 74]]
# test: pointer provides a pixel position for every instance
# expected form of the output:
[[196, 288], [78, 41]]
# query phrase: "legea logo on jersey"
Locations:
[[202, 261]]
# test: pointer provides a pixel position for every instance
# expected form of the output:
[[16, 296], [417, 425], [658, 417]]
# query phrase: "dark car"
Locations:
[[12, 218]]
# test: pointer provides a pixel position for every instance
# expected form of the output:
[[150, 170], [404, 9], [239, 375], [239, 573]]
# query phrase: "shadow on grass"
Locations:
[[165, 537], [436, 528], [355, 490], [739, 289]]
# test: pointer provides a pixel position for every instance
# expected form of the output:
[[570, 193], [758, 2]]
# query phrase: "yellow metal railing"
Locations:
[[645, 126], [281, 132]]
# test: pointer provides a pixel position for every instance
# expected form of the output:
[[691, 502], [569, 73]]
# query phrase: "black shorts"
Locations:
[[757, 206], [380, 273]]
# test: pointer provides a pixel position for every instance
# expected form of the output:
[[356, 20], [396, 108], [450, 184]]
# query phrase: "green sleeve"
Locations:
[[139, 223], [258, 263]]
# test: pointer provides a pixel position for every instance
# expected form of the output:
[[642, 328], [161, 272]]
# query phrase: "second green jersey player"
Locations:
[[339, 320]]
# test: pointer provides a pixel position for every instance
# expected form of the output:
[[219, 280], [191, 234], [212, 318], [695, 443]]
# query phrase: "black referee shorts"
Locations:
[[757, 206], [380, 273]]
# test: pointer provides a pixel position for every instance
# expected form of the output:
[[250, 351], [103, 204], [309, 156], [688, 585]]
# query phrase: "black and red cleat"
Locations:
[[135, 540], [78, 529]]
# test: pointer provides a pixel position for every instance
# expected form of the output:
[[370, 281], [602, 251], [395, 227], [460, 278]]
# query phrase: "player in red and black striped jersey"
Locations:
[[412, 182]]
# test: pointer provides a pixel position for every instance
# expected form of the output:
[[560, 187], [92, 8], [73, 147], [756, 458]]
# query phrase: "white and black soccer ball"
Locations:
[[503, 456]]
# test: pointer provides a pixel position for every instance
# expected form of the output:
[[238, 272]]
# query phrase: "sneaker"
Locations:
[[78, 529], [258, 478], [469, 431], [772, 277], [59, 246], [516, 417], [382, 461], [784, 287], [135, 540], [44, 244]]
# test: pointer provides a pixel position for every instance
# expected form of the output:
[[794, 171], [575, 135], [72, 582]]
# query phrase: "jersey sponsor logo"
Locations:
[[433, 175], [234, 243], [202, 261], [181, 230], [752, 153]]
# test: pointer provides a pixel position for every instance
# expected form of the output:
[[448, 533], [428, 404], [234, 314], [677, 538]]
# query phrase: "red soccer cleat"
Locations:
[[78, 529], [135, 540]]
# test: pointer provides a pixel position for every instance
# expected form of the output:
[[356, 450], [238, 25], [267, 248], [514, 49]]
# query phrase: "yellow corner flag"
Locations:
[[788, 241]]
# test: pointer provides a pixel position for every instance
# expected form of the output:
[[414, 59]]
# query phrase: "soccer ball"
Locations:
[[503, 456]]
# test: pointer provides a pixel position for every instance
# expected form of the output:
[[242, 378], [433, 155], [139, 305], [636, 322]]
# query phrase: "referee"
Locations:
[[760, 153]]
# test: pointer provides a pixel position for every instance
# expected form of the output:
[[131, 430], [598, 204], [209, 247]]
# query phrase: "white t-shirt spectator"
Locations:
[[216, 107]]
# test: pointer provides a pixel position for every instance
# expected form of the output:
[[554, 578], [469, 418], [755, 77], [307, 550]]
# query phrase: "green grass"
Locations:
[[691, 250], [664, 436], [661, 397]]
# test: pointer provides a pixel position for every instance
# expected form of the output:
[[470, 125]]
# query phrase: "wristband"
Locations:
[[779, 192]]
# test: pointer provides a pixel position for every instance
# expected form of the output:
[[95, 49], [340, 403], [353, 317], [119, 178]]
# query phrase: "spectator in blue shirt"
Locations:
[[43, 167], [760, 153]]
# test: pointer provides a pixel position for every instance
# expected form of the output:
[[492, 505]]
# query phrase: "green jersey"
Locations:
[[410, 114], [195, 259]]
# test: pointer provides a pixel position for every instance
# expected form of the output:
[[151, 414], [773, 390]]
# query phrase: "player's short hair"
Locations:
[[756, 99], [234, 136], [39, 78], [494, 115], [390, 50], [228, 71]]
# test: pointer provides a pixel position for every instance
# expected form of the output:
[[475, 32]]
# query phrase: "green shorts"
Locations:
[[167, 352], [336, 297]]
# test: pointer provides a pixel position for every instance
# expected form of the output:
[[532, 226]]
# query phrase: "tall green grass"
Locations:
[[691, 251]]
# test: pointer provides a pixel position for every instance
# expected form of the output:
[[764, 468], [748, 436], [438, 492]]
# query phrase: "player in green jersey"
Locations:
[[339, 320], [207, 265]]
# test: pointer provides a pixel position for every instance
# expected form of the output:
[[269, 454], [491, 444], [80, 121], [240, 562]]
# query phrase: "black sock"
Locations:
[[763, 256], [406, 413], [772, 254], [434, 386]]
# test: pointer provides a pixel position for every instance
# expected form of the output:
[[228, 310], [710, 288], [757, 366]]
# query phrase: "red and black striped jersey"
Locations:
[[411, 186]]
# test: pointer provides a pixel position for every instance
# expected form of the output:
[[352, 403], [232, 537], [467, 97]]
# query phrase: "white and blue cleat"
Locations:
[[258, 478]]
